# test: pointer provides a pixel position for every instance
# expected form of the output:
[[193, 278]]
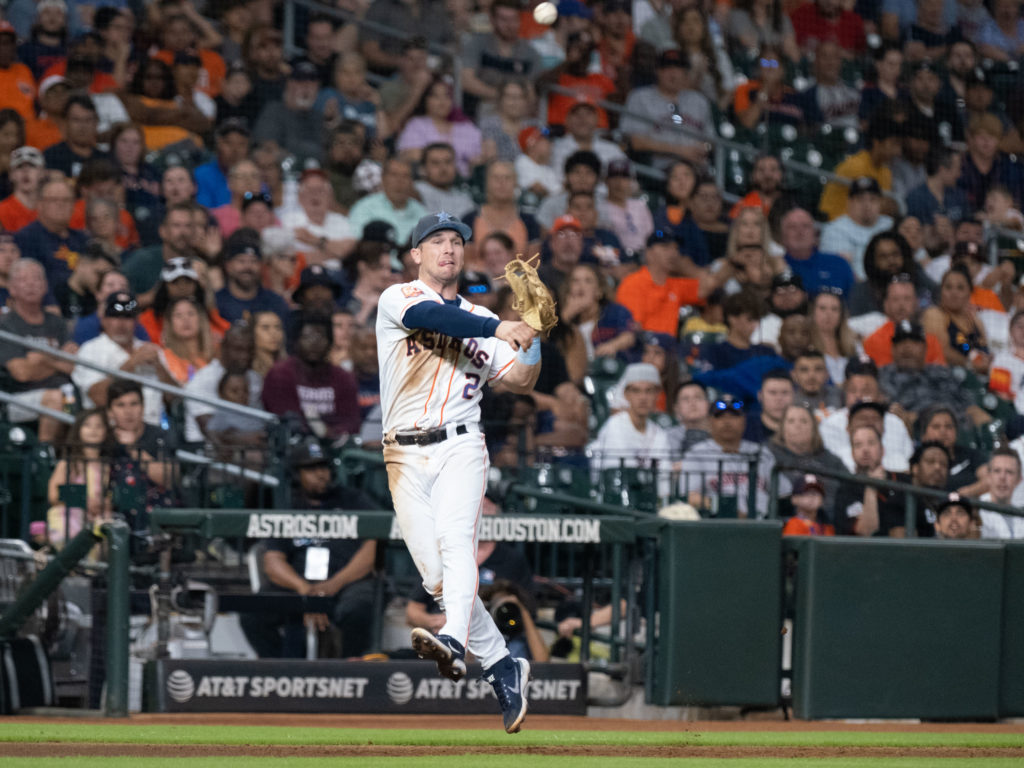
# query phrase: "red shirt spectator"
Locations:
[[826, 20]]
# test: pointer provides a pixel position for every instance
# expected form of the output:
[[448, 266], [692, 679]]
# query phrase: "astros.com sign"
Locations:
[[556, 530], [411, 687]]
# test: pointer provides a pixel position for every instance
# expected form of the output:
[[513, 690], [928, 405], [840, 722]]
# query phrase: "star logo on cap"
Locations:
[[443, 217]]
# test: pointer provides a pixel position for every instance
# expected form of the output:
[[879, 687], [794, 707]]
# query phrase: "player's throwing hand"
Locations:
[[517, 333]]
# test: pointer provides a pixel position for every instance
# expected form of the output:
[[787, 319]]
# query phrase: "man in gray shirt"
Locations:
[[669, 103], [487, 59], [437, 189], [291, 124]]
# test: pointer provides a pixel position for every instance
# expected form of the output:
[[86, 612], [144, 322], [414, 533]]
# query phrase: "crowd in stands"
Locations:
[[188, 196]]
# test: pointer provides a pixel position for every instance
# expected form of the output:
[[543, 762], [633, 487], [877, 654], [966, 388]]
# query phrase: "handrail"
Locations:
[[231, 469], [910, 491], [168, 389], [42, 410]]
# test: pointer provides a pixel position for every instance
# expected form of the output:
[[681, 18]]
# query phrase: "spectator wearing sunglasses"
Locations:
[[716, 473], [767, 98]]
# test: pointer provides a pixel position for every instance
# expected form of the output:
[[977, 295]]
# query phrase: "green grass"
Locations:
[[497, 761], [135, 733]]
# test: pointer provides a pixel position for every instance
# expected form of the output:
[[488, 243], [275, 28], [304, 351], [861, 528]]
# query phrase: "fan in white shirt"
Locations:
[[323, 235], [1004, 476]]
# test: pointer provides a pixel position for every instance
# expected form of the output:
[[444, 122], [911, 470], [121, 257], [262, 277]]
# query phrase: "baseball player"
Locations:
[[437, 351]]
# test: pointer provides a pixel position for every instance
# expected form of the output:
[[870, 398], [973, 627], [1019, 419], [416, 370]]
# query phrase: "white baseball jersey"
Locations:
[[428, 379]]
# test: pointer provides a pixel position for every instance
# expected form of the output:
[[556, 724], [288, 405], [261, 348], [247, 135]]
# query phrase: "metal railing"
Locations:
[[910, 493]]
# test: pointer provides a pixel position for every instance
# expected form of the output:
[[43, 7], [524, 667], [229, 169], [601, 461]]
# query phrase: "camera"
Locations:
[[508, 616]]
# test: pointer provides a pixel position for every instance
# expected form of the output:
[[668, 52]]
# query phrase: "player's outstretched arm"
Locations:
[[449, 320], [522, 376]]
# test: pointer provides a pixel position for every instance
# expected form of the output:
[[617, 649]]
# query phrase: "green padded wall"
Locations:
[[1011, 689], [897, 628], [720, 605]]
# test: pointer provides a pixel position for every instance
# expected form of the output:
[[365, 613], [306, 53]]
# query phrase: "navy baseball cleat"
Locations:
[[446, 651], [509, 678]]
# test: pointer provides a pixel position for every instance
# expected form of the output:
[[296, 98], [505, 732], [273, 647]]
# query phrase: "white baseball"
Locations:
[[545, 13]]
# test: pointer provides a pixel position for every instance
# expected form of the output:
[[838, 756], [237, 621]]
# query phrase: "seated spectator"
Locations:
[[1001, 38], [85, 461], [369, 273], [242, 292], [88, 326], [811, 386], [437, 120], [268, 335], [186, 69], [885, 139], [575, 73], [797, 443], [900, 304], [291, 124], [100, 179], [887, 255], [394, 204], [534, 172], [952, 321], [582, 174], [831, 334], [968, 474], [716, 473], [999, 210], [628, 215], [807, 499], [929, 36], [80, 138], [766, 179], [774, 397], [307, 387], [437, 188], [938, 201], [263, 54], [19, 83], [151, 103], [500, 214], [118, 348], [231, 145], [691, 410], [77, 296], [36, 379], [236, 436], [929, 468], [1004, 478], [496, 250], [984, 165], [675, 217], [243, 185], [353, 98], [830, 101], [345, 162], [629, 438], [336, 568], [887, 90], [909, 170], [912, 385], [786, 297], [322, 234], [49, 239], [581, 135], [18, 209], [706, 209], [1006, 375], [585, 302], [235, 100], [955, 518], [179, 279], [187, 345], [861, 509], [662, 351], [747, 262], [651, 295], [863, 398], [600, 244], [820, 20], [44, 131], [767, 99], [500, 131], [849, 234], [185, 32], [699, 37], [236, 356], [177, 186], [741, 312], [671, 102]]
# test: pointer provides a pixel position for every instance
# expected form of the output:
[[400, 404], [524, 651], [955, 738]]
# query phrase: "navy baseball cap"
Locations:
[[435, 222], [316, 275], [309, 453]]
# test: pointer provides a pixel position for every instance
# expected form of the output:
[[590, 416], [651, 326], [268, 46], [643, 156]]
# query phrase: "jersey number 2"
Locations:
[[472, 385]]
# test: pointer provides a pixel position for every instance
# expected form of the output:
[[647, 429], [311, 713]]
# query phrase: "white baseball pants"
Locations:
[[438, 493]]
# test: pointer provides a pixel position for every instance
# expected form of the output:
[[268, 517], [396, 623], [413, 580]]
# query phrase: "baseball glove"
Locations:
[[533, 300]]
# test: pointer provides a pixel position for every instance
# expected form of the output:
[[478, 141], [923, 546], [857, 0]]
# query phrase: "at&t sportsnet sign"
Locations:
[[411, 687]]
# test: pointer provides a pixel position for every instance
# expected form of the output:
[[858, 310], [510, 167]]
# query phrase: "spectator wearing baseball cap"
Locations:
[[564, 243], [243, 293], [534, 171], [650, 294], [850, 234], [291, 124], [808, 498], [671, 103], [179, 279], [884, 138], [17, 83], [26, 171], [77, 295]]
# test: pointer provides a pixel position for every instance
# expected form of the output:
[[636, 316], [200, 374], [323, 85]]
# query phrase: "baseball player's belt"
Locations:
[[431, 436]]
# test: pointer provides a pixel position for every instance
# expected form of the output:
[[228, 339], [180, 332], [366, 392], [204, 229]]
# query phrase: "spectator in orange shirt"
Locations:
[[17, 86], [47, 129], [186, 30], [808, 496], [765, 186], [19, 209], [100, 179], [899, 304], [651, 294]]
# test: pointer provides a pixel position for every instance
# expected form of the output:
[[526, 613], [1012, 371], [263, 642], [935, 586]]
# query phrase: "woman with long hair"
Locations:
[[798, 443], [103, 224], [968, 468], [178, 280], [831, 334], [268, 334], [748, 261], [674, 214], [369, 273], [710, 68], [888, 254], [585, 302], [437, 119], [187, 342], [500, 131], [753, 24], [954, 323], [83, 460], [128, 149], [661, 351]]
